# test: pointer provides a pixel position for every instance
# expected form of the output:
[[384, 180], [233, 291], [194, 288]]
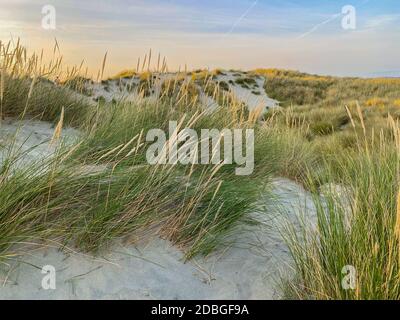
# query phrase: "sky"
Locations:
[[305, 35]]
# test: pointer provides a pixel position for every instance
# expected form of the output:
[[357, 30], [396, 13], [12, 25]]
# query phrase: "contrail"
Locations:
[[333, 17], [313, 29], [242, 17]]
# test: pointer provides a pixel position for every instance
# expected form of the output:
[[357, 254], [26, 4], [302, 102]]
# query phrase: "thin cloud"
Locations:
[[381, 21]]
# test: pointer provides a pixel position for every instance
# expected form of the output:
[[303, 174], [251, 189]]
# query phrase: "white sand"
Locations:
[[245, 95], [117, 89], [32, 141], [250, 269], [114, 89]]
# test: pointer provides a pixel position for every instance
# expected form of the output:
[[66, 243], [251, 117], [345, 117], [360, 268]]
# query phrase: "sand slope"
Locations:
[[249, 269], [30, 140]]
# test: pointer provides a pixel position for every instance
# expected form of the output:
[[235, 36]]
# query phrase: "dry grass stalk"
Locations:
[[58, 129]]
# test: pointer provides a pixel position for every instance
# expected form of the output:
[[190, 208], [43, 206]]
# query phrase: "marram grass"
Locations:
[[359, 228], [101, 189]]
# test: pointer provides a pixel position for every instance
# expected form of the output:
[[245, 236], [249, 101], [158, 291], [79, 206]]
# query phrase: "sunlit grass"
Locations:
[[101, 188], [332, 131]]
